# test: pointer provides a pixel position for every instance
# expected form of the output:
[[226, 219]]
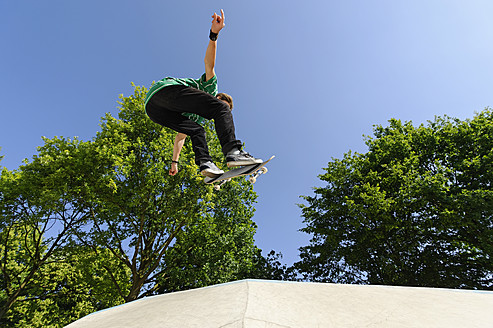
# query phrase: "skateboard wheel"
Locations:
[[216, 187], [252, 179], [264, 170]]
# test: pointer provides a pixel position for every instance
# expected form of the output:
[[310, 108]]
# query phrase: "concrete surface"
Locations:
[[274, 304]]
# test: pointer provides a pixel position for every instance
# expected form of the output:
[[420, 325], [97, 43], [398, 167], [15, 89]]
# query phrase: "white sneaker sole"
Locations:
[[211, 174], [244, 163]]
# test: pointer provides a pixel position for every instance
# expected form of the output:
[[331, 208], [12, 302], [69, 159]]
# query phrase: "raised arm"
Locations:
[[210, 54]]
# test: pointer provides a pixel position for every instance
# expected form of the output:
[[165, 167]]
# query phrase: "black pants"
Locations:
[[167, 105]]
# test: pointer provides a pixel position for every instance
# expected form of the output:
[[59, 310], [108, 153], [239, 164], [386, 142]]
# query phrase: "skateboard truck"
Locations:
[[218, 186], [254, 171], [253, 177]]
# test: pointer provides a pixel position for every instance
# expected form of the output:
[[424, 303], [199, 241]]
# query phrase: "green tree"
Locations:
[[66, 289], [45, 279], [170, 232], [109, 206], [37, 216], [416, 209], [270, 268]]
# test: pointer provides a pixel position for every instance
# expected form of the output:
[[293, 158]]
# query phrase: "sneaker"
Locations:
[[210, 169], [241, 158]]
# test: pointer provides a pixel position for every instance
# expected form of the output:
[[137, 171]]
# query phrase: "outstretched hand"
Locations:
[[217, 22]]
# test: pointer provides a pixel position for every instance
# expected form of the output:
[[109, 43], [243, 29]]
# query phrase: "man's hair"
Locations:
[[227, 98]]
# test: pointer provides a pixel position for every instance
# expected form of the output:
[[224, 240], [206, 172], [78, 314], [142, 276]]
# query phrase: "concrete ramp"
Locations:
[[273, 304]]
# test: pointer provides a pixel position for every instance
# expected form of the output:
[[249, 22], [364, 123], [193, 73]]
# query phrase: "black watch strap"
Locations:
[[213, 36]]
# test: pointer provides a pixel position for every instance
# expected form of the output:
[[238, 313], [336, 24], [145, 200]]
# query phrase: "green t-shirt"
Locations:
[[207, 86]]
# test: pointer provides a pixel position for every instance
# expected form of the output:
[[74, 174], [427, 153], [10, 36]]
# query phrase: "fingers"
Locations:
[[218, 19], [217, 22]]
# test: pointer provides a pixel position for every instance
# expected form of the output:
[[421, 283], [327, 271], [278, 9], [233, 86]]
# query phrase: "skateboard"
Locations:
[[254, 171]]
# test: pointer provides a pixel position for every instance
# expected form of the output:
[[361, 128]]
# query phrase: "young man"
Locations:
[[182, 105]]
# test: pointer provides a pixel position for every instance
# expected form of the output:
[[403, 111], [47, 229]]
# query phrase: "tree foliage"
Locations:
[[65, 289], [150, 221], [87, 225], [416, 209], [37, 215]]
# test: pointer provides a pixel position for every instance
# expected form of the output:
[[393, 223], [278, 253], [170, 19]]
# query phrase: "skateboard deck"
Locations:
[[254, 170]]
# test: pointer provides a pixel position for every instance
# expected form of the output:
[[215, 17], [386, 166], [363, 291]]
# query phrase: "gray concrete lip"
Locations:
[[262, 303]]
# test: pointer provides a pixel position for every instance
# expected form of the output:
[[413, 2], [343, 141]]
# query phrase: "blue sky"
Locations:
[[309, 78]]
